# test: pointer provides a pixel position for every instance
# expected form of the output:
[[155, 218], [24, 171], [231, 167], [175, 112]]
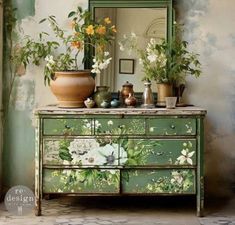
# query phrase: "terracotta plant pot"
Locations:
[[72, 88], [163, 91]]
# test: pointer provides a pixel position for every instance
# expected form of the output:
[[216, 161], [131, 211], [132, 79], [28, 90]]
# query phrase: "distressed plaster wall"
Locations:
[[208, 28]]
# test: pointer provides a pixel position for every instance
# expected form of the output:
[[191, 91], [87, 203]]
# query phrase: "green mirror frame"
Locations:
[[93, 4]]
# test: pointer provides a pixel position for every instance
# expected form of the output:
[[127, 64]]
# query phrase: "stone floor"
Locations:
[[128, 210]]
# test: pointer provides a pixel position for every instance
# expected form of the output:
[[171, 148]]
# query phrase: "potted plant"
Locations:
[[166, 63], [70, 85]]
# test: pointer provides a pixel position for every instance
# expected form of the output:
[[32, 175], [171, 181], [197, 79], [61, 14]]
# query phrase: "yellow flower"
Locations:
[[114, 29], [107, 20], [76, 44], [101, 30], [90, 30]]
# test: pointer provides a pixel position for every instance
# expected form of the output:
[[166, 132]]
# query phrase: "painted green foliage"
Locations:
[[159, 181], [81, 181], [114, 148]]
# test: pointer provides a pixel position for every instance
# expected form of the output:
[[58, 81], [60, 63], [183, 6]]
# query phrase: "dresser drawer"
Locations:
[[81, 181], [67, 126], [162, 181], [158, 152], [125, 126], [172, 127], [81, 152]]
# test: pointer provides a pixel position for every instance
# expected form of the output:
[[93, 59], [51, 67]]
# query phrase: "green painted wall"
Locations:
[[18, 159]]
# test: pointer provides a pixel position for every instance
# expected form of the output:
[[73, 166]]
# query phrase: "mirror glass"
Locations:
[[146, 23]]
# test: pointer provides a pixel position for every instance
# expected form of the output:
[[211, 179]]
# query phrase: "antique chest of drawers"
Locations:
[[119, 152]]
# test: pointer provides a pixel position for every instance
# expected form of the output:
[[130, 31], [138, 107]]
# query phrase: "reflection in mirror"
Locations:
[[146, 23]]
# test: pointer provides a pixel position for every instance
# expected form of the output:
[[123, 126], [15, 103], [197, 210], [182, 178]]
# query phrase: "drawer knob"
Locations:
[[172, 126], [67, 127]]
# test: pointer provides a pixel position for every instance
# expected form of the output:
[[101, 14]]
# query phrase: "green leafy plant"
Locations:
[[165, 62], [85, 33]]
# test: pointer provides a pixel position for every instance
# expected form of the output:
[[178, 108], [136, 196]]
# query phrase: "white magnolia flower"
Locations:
[[177, 178], [186, 157]]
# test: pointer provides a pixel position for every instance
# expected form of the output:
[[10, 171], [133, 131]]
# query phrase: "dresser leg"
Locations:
[[38, 211], [200, 198], [200, 208]]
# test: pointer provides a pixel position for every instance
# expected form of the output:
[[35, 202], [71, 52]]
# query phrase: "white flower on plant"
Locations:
[[50, 59], [50, 62], [140, 61], [106, 53], [100, 64], [152, 57], [110, 122], [177, 178], [186, 157]]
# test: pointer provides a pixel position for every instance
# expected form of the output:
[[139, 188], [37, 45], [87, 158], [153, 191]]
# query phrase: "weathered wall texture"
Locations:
[[209, 29]]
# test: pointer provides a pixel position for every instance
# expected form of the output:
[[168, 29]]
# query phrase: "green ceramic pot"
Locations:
[[102, 94]]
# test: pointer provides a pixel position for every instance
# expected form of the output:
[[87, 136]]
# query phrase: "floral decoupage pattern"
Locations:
[[159, 181], [81, 181], [93, 156]]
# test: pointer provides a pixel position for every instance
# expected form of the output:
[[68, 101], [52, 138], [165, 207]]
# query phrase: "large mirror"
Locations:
[[146, 19]]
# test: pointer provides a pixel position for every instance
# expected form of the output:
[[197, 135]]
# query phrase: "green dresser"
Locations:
[[119, 152]]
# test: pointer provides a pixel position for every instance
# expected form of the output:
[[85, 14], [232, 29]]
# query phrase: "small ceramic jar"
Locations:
[[127, 89], [102, 94], [89, 103], [115, 103], [130, 101]]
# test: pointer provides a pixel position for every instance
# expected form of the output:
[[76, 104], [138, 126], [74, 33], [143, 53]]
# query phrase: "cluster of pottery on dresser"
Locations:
[[102, 98], [113, 153]]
